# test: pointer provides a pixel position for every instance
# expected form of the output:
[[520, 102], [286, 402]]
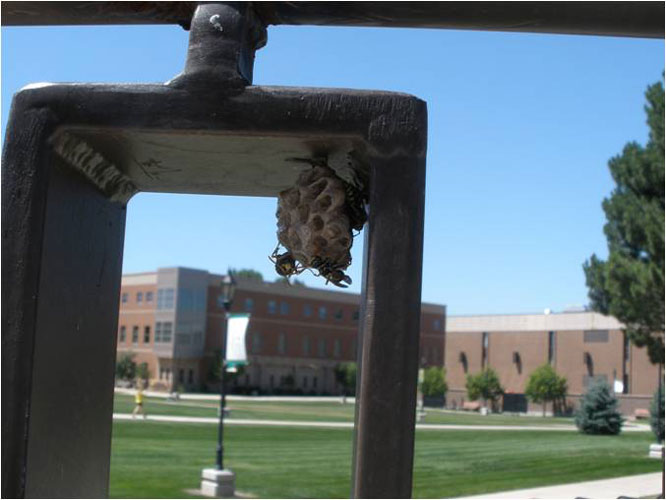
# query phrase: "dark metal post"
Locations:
[[384, 446]]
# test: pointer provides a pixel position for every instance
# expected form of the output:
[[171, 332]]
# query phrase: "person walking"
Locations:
[[138, 400]]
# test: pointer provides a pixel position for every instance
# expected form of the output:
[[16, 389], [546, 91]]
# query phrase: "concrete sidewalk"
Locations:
[[638, 486], [339, 425]]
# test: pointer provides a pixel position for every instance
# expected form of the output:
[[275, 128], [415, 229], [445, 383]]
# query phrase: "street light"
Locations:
[[228, 289]]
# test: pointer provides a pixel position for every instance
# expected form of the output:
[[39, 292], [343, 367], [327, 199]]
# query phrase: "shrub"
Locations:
[[126, 367], [657, 414], [598, 413], [484, 385], [434, 382], [345, 375], [545, 385]]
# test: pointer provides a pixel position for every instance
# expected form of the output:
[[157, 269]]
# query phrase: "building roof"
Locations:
[[587, 320], [272, 288], [285, 290]]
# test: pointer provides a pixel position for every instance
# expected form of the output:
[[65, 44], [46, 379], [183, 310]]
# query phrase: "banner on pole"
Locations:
[[236, 354]]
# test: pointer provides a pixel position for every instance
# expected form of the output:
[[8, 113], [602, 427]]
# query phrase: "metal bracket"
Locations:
[[223, 40]]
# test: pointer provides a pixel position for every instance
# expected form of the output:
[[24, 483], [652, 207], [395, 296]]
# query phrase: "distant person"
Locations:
[[138, 400]]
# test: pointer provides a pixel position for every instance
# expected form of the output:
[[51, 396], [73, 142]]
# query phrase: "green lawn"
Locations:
[[154, 459], [315, 411]]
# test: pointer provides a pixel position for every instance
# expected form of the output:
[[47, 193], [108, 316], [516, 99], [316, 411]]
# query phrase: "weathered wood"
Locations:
[[62, 246], [81, 158], [633, 19], [384, 436]]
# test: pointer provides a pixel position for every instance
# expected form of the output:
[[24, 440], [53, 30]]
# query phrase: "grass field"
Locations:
[[154, 459], [313, 411]]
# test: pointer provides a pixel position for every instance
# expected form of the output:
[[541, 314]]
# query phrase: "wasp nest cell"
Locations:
[[315, 221]]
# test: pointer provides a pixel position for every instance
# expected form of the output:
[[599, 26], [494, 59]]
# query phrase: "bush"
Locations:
[[598, 413], [657, 414], [345, 375], [484, 385], [545, 385], [434, 382], [126, 367]]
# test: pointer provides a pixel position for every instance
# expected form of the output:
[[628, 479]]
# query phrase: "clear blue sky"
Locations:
[[521, 127]]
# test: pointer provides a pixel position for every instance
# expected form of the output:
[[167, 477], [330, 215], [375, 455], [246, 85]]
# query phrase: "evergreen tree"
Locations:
[[545, 385], [598, 413], [657, 414], [630, 284]]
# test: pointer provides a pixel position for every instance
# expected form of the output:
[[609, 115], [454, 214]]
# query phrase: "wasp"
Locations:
[[285, 264], [355, 204], [331, 273]]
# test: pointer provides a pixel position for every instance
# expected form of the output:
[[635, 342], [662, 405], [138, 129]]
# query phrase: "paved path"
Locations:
[[236, 397], [640, 486], [343, 425]]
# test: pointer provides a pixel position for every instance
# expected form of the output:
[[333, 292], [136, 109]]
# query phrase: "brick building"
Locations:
[[173, 320], [582, 346]]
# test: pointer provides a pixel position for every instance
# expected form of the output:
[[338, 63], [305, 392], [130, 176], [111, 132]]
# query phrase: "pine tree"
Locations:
[[598, 413], [630, 283], [657, 414]]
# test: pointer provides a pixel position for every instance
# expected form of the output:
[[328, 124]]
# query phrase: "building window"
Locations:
[[165, 298], [284, 308], [149, 296], [321, 348], [123, 333], [123, 298], [305, 382], [306, 345], [322, 312], [551, 347], [437, 325], [339, 314], [161, 373], [307, 310], [249, 304], [355, 315], [163, 331], [271, 381], [135, 335], [314, 382], [484, 349], [337, 348], [595, 336], [256, 342], [139, 297], [146, 335], [181, 376], [282, 343], [272, 307], [190, 376]]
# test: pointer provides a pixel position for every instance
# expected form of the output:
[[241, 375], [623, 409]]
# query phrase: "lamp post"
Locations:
[[228, 290], [218, 482]]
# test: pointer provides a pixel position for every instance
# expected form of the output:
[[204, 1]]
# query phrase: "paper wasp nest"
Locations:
[[315, 221]]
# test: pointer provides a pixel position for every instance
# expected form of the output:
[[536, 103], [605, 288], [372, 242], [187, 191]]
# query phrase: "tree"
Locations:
[[630, 284], [657, 414], [484, 385], [126, 367], [248, 274], [345, 375], [434, 382], [142, 372], [598, 413], [544, 385]]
